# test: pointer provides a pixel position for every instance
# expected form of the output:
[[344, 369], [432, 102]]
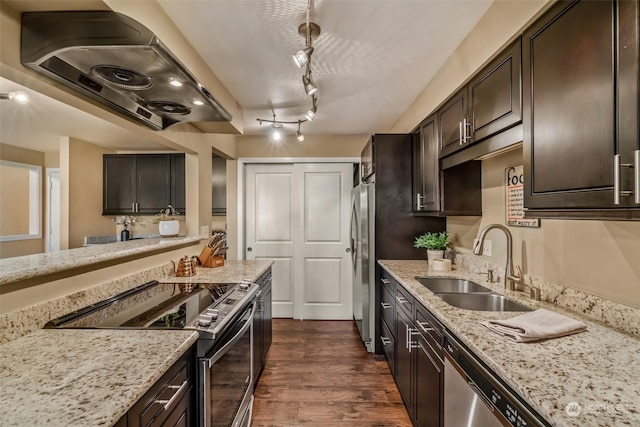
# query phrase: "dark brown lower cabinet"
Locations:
[[170, 401], [404, 359]]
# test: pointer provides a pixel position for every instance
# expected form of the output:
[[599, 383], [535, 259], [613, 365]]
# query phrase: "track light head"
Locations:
[[309, 87], [17, 97], [276, 131], [302, 57], [312, 111], [299, 134]]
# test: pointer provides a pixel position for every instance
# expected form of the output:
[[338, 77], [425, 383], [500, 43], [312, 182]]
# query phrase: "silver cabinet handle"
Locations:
[[423, 326], [385, 281], [461, 135], [636, 174], [167, 403], [133, 207], [401, 300], [467, 130], [386, 305], [419, 200], [617, 191], [410, 334], [385, 341]]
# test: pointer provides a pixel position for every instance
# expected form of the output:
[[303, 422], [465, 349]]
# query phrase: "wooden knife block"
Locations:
[[207, 259]]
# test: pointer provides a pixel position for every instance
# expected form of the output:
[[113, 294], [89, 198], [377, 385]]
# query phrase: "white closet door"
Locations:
[[298, 215], [270, 224]]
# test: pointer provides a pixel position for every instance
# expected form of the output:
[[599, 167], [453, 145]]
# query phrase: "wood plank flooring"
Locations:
[[318, 373]]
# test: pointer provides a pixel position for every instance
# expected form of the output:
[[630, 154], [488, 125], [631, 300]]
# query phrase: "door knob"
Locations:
[[348, 250], [249, 249]]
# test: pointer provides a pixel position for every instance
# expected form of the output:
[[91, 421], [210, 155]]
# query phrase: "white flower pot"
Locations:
[[434, 254], [169, 228]]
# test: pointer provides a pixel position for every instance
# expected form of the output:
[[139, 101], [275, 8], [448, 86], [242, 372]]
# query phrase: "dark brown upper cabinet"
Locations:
[[581, 130], [218, 185], [142, 183], [488, 104], [367, 168], [456, 190], [426, 170]]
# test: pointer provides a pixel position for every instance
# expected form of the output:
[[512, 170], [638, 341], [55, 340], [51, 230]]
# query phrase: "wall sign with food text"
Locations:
[[515, 199]]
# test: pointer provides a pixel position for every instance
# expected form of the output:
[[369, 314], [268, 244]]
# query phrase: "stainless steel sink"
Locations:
[[482, 302], [439, 285]]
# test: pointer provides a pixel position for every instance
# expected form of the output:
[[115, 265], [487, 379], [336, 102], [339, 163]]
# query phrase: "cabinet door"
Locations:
[[404, 369], [451, 118], [570, 106], [367, 167], [268, 315], [178, 194], [427, 151], [218, 185], [118, 184], [429, 376], [495, 101], [153, 182]]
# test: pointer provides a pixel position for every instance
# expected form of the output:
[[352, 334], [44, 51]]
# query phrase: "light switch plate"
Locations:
[[486, 248]]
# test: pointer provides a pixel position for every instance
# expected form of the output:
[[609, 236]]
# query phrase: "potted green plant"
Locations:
[[435, 243], [167, 221]]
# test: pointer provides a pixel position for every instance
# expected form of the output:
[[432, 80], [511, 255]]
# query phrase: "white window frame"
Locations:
[[35, 202]]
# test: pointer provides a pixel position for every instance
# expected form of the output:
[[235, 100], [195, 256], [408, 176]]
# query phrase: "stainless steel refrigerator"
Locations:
[[363, 258]]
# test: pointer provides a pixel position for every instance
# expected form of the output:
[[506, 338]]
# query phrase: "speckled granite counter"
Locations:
[[598, 369], [31, 266], [83, 378], [231, 271]]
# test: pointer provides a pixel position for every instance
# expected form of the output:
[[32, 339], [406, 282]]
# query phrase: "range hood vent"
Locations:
[[119, 62]]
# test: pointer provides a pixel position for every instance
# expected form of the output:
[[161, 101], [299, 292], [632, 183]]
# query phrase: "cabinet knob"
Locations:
[[249, 249]]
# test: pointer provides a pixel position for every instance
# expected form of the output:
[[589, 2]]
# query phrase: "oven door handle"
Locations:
[[218, 354]]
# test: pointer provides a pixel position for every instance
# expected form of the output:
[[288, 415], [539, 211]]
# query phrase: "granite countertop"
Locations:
[[597, 369], [31, 266], [83, 377], [232, 271]]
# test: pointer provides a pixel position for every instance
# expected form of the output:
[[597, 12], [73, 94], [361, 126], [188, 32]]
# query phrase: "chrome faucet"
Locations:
[[511, 280]]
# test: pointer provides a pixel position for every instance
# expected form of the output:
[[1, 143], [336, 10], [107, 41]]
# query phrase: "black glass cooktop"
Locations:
[[152, 305]]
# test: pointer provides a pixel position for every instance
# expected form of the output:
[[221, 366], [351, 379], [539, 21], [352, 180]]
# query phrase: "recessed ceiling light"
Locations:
[[198, 102], [175, 83]]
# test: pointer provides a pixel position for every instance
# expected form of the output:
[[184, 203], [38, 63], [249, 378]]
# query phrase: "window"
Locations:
[[20, 201]]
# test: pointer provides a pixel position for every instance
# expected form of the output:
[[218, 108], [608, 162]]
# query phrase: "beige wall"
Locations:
[[31, 157], [85, 191], [312, 146], [598, 257]]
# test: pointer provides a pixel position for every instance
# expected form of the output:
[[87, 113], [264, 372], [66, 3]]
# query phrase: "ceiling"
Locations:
[[371, 61]]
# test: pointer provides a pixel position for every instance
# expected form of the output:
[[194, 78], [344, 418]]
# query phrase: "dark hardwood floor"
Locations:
[[318, 373]]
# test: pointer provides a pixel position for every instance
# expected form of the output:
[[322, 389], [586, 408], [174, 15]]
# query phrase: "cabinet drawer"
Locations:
[[429, 328], [169, 394], [404, 301], [388, 346], [387, 305]]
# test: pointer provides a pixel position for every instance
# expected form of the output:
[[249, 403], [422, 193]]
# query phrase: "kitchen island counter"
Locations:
[[231, 272], [83, 377], [596, 369]]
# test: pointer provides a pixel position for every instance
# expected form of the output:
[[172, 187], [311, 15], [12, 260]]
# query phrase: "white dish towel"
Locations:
[[537, 325]]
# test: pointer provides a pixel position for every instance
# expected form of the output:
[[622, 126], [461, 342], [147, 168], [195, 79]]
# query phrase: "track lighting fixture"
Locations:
[[17, 97], [276, 126], [312, 111]]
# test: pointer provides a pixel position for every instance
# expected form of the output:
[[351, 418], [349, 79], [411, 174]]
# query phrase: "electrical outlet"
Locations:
[[486, 248]]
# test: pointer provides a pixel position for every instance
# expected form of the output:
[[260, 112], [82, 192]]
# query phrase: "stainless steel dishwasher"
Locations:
[[475, 397]]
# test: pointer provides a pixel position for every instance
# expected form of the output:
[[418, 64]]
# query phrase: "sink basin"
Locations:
[[483, 302], [440, 285]]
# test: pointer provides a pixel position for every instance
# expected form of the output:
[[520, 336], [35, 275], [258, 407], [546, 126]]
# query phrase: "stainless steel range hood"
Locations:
[[119, 62]]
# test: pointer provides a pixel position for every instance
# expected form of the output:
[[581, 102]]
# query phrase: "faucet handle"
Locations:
[[519, 274]]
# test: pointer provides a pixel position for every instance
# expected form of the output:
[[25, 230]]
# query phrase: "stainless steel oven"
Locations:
[[225, 376]]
